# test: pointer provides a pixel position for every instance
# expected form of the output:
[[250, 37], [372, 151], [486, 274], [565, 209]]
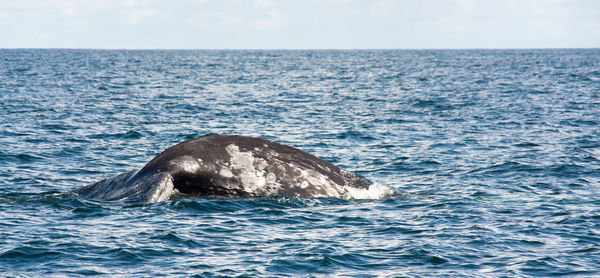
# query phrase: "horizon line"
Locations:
[[296, 49]]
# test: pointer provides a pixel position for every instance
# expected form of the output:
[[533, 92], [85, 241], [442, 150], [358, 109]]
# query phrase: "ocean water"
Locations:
[[494, 156]]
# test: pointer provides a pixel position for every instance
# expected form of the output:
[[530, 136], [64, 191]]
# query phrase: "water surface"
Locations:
[[495, 156]]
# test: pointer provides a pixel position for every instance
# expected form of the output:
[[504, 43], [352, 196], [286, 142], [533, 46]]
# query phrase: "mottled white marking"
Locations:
[[260, 164], [185, 163], [314, 177], [271, 178], [332, 192], [304, 184], [257, 179], [232, 149], [163, 189], [252, 171], [226, 173]]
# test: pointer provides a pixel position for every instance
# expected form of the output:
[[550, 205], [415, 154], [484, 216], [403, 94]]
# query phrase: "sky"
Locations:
[[299, 24]]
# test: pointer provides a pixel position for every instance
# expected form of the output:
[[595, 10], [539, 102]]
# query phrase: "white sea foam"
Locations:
[[375, 191]]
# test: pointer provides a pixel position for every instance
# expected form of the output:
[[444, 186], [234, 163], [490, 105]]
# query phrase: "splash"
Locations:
[[375, 191]]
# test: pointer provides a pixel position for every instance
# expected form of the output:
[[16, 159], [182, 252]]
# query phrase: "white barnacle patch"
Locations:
[[232, 149], [251, 171], [332, 191], [226, 173], [314, 177], [304, 184], [260, 164], [185, 163], [319, 181], [271, 178]]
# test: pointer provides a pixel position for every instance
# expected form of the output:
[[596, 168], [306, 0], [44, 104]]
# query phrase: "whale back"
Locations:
[[246, 166], [229, 165]]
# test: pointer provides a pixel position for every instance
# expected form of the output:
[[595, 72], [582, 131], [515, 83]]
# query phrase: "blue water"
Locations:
[[494, 154]]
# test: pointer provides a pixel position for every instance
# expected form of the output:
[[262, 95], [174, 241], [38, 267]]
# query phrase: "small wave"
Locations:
[[131, 134], [20, 157]]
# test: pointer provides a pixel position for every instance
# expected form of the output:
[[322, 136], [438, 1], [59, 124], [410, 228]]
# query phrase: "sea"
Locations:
[[493, 155]]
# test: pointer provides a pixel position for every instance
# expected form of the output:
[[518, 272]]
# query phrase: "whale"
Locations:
[[232, 166]]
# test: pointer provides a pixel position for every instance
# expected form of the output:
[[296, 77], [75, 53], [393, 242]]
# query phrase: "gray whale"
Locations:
[[231, 166]]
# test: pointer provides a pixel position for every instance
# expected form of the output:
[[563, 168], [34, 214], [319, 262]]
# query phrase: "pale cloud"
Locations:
[[263, 4], [269, 17], [136, 15], [271, 20], [543, 8], [383, 7], [68, 8], [547, 28], [466, 5], [130, 3], [253, 16], [299, 23]]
